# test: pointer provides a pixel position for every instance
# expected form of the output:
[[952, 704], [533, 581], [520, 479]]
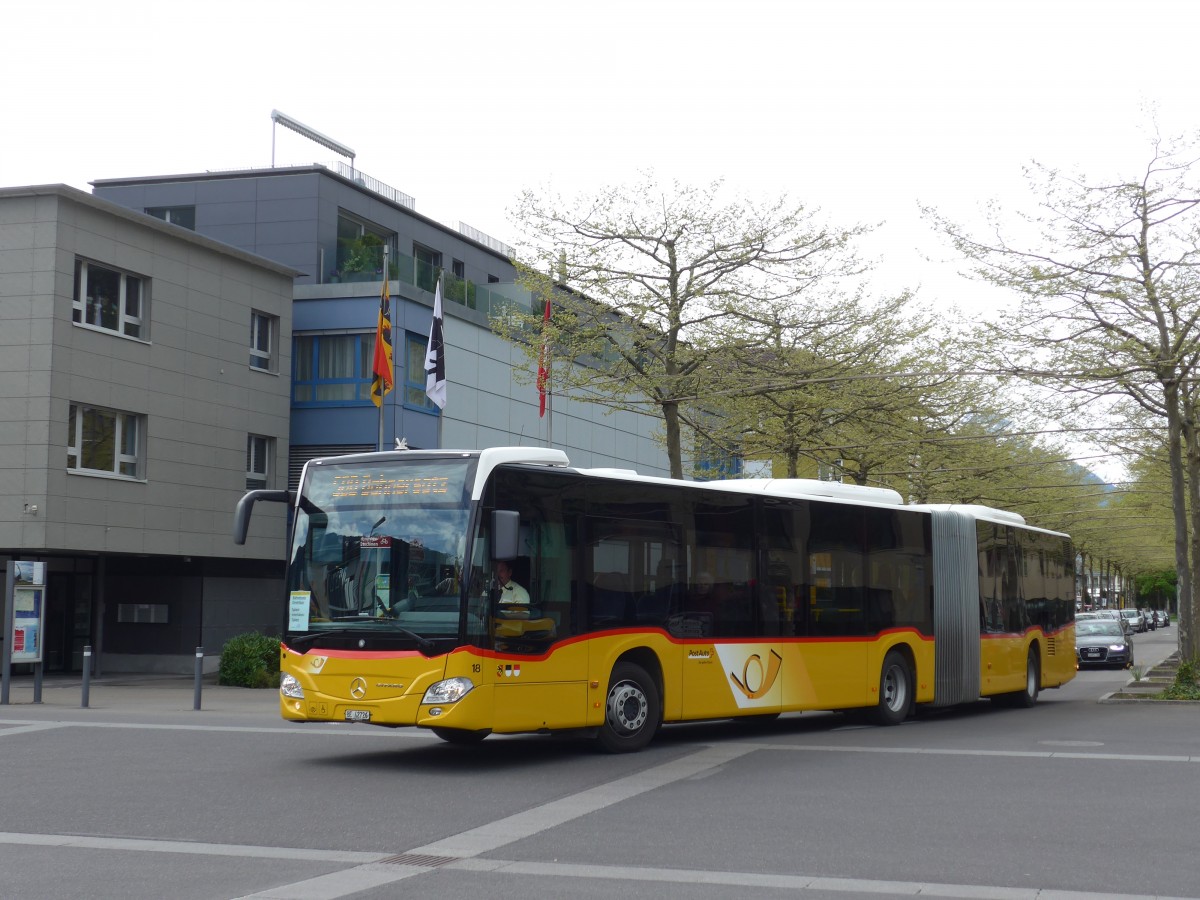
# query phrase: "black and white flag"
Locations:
[[435, 354]]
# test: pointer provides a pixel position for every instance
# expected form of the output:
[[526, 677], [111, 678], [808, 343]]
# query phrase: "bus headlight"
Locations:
[[449, 691], [290, 687]]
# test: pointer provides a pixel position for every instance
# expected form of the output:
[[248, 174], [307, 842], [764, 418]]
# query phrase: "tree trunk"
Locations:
[[670, 409], [1186, 620], [1179, 490]]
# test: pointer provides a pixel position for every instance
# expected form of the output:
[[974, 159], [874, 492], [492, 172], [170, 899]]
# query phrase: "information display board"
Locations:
[[28, 612]]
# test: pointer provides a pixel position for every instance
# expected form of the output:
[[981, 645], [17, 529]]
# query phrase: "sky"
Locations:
[[862, 110]]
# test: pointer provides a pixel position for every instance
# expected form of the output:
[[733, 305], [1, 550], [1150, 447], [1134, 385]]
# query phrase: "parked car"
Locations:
[[1136, 620], [1102, 642], [1164, 618], [1115, 615], [1151, 621]]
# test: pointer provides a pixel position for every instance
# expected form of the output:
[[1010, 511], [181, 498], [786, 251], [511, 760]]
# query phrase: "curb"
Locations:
[[1147, 690], [1115, 697]]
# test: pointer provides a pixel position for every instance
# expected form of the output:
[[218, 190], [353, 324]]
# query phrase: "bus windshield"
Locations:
[[378, 546]]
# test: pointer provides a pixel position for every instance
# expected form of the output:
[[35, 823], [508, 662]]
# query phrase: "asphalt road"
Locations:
[[141, 796]]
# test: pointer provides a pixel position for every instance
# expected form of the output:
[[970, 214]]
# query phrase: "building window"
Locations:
[[104, 441], [429, 263], [258, 461], [493, 279], [360, 248], [459, 269], [264, 334], [335, 370], [183, 216], [415, 346], [109, 299], [332, 369]]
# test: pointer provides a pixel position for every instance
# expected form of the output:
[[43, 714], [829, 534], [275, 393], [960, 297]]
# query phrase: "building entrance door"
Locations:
[[68, 621]]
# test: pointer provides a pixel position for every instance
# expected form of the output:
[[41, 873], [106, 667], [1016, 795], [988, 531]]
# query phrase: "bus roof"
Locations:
[[491, 457]]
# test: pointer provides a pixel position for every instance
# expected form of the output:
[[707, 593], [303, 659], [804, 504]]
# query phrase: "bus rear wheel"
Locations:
[[895, 691], [1027, 697], [632, 710]]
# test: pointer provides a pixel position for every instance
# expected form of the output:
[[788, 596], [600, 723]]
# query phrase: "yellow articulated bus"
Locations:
[[505, 591]]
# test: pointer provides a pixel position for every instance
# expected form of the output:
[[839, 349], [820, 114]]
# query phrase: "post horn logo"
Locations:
[[358, 688], [753, 674]]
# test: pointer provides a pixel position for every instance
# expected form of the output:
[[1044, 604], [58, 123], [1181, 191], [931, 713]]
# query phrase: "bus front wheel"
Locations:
[[460, 735], [631, 709], [895, 691]]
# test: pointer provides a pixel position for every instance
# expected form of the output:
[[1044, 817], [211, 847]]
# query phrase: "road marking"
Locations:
[[461, 852], [20, 726], [338, 884], [519, 826], [27, 727], [787, 882], [541, 818], [298, 731], [944, 751], [369, 870], [194, 848]]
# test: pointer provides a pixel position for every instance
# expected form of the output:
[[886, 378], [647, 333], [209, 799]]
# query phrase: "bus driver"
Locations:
[[510, 591]]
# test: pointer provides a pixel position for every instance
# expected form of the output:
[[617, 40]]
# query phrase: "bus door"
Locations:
[[539, 674], [735, 663], [836, 650]]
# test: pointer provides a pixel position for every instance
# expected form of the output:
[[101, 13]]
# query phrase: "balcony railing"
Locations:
[[374, 184], [490, 299]]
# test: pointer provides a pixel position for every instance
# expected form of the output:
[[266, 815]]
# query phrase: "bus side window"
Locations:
[[609, 598]]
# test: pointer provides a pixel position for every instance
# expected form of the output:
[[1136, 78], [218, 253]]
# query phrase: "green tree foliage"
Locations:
[[658, 286], [1158, 587], [1108, 275], [833, 366]]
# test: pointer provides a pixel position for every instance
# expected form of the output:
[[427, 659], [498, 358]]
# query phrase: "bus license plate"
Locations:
[[358, 715]]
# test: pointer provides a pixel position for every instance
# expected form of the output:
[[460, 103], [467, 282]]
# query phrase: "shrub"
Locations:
[[1185, 686], [250, 660]]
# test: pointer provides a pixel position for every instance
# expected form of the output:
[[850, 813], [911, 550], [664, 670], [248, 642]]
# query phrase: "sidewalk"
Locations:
[[136, 693]]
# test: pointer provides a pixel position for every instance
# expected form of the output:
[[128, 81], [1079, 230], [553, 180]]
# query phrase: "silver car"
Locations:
[[1136, 620]]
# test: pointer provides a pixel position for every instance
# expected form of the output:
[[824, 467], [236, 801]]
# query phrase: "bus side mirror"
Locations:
[[506, 533], [241, 515]]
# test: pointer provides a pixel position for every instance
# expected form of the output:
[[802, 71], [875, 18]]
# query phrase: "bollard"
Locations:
[[199, 676], [87, 674]]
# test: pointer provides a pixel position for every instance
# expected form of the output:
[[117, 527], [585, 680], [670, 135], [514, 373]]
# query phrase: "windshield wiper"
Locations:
[[304, 638], [423, 642]]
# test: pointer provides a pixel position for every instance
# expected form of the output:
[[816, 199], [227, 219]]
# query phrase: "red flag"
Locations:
[[382, 367], [543, 379]]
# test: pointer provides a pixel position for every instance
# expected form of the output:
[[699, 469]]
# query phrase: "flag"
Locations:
[[383, 368], [543, 379], [435, 354]]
